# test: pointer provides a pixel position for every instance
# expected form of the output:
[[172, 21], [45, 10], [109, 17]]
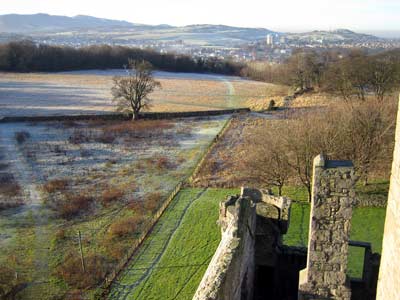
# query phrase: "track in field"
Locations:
[[151, 251]]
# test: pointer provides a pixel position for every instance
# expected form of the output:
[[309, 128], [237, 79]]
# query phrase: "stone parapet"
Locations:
[[331, 211], [230, 273], [251, 226]]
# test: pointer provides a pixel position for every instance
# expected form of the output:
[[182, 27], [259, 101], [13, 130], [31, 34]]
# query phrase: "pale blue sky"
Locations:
[[283, 15]]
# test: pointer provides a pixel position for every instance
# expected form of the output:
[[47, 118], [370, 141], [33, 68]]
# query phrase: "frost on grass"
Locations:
[[103, 179]]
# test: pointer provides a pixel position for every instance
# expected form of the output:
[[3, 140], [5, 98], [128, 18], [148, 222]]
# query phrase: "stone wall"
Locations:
[[389, 273], [122, 116], [331, 211], [230, 273], [252, 225]]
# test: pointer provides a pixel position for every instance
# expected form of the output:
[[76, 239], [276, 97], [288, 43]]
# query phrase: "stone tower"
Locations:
[[331, 212], [389, 273]]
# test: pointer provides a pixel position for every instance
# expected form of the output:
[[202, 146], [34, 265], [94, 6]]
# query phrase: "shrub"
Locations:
[[152, 201], [162, 162], [74, 295], [22, 136], [106, 137], [139, 129], [11, 203], [124, 227], [7, 280], [60, 234], [70, 270], [115, 250], [73, 205], [55, 185], [111, 195], [78, 136], [8, 185], [136, 206]]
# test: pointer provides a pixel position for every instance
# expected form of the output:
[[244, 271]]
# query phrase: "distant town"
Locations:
[[274, 48], [203, 41]]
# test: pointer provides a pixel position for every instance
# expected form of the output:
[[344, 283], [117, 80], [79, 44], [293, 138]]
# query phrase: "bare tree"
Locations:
[[349, 77], [267, 161], [383, 76], [366, 132], [131, 92]]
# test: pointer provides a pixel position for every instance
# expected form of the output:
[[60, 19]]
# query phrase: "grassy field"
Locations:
[[179, 267], [105, 180], [171, 263], [90, 93], [367, 223]]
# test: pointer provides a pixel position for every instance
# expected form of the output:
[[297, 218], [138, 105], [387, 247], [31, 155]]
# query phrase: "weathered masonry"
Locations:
[[252, 225], [251, 262], [389, 273], [331, 210]]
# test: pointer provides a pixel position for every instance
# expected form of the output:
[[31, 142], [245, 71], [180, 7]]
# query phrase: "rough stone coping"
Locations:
[[321, 161], [332, 164], [263, 198], [360, 244]]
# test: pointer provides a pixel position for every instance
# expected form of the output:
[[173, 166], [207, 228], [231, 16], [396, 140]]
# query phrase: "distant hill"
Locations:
[[40, 24], [91, 30], [337, 35], [43, 22]]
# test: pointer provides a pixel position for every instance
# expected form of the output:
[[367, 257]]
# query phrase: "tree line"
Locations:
[[27, 56], [352, 75], [282, 151]]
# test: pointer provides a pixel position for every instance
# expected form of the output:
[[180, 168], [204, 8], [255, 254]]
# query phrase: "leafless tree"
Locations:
[[366, 134], [383, 76], [267, 160], [131, 92]]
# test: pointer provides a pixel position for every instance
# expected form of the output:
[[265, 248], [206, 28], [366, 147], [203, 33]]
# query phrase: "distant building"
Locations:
[[270, 39]]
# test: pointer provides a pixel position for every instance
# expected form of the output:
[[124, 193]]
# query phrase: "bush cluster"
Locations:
[[70, 270]]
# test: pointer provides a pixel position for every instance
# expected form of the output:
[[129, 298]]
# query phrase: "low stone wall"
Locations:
[[378, 201], [121, 116], [230, 273]]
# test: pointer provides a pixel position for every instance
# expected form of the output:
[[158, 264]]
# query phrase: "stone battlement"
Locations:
[[243, 219]]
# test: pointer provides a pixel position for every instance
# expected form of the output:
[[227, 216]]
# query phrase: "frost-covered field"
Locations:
[[104, 179], [88, 92]]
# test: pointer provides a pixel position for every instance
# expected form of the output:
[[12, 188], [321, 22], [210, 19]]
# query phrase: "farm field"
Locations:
[[102, 179], [89, 92], [182, 255]]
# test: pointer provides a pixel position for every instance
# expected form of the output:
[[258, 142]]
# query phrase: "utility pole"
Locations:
[[80, 248]]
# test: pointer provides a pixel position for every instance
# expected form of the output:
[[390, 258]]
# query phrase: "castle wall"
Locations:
[[389, 273], [230, 274], [331, 211]]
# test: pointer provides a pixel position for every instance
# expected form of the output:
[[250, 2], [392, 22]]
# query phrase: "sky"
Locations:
[[279, 15]]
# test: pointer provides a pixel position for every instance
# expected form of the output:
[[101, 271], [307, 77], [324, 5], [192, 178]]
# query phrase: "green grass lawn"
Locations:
[[178, 271], [173, 269], [367, 223]]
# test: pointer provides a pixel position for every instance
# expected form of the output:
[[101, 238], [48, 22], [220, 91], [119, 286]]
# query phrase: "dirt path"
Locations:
[[141, 267], [231, 94], [32, 211]]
